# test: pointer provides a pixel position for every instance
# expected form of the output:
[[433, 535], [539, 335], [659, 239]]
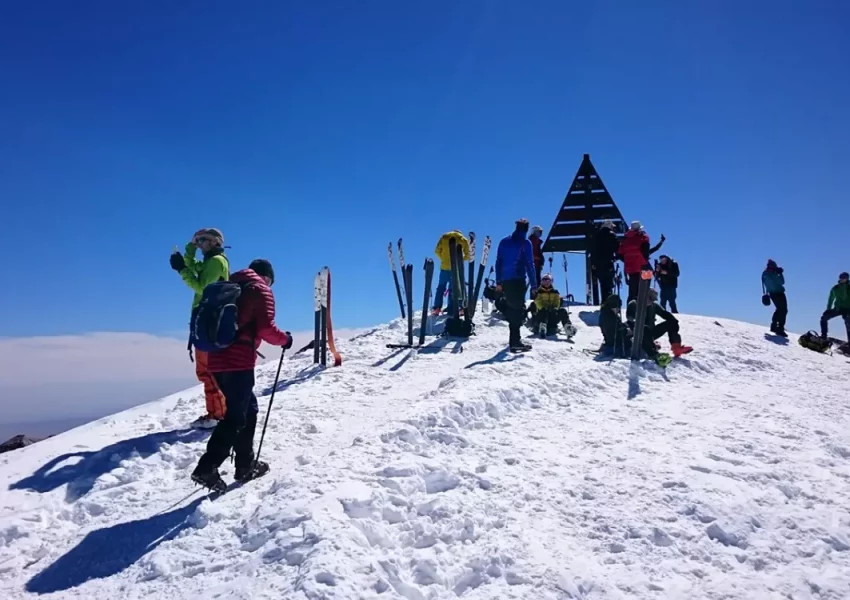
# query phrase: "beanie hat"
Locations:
[[522, 225], [652, 295], [636, 226], [844, 275], [546, 276], [607, 224], [263, 268], [771, 263]]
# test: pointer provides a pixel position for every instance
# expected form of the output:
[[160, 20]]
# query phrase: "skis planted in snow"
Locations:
[[463, 299], [426, 302], [640, 313], [323, 333], [401, 266], [395, 279], [454, 293], [567, 295], [476, 292], [471, 276]]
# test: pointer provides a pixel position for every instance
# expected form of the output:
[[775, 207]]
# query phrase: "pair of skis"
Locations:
[[640, 313], [323, 334], [426, 301], [395, 273]]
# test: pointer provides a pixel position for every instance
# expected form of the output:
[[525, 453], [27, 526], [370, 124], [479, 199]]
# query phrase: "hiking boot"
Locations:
[[543, 329], [435, 312], [209, 479], [252, 471], [679, 349], [773, 327], [204, 422], [781, 332]]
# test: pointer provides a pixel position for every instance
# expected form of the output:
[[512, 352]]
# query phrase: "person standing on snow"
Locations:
[[233, 369], [515, 262], [547, 312], [838, 305], [605, 247], [667, 274], [445, 279], [536, 239], [652, 332], [773, 280], [198, 275], [635, 252]]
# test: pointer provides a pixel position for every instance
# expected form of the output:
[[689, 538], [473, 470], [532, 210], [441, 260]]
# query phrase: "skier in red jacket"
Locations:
[[635, 252], [233, 369]]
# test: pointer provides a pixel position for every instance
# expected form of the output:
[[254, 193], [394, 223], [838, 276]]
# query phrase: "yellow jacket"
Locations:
[[442, 249], [547, 299]]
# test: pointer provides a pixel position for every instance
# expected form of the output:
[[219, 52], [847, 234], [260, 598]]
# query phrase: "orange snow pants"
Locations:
[[215, 399]]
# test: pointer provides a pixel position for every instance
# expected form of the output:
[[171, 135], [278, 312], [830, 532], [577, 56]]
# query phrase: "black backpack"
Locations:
[[813, 341], [459, 327]]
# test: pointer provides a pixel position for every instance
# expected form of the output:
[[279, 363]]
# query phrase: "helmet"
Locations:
[[537, 229]]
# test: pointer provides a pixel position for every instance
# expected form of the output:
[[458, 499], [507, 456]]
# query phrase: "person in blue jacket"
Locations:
[[515, 262], [773, 280]]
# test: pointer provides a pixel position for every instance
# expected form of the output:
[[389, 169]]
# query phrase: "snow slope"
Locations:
[[463, 471]]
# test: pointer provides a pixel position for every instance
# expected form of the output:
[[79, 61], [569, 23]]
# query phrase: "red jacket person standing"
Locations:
[[635, 252], [233, 369]]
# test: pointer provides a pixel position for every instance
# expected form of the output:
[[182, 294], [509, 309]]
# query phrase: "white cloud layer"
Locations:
[[70, 379]]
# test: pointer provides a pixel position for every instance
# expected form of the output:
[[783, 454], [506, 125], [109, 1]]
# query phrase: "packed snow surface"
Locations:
[[463, 471]]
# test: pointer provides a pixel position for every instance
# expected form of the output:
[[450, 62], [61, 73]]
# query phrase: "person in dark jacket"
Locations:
[[635, 252], [773, 281], [536, 239], [616, 335], [604, 254], [515, 262], [652, 332], [667, 275], [838, 305], [233, 369]]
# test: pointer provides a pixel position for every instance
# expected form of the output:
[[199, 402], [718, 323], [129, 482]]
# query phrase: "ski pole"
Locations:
[[271, 401]]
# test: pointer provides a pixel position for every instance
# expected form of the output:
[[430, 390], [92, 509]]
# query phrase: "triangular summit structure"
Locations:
[[587, 204]]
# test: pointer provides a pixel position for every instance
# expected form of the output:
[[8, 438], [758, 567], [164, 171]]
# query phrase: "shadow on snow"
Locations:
[[82, 475], [107, 551]]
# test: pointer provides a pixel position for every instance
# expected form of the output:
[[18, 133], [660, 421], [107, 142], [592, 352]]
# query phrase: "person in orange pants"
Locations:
[[197, 275]]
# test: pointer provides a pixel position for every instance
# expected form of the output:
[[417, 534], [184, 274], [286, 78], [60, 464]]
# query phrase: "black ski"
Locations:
[[401, 266], [426, 302], [461, 272], [476, 292], [640, 313], [471, 277], [395, 278], [454, 296], [408, 285]]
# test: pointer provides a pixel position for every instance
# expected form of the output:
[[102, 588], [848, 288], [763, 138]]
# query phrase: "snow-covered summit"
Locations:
[[463, 471]]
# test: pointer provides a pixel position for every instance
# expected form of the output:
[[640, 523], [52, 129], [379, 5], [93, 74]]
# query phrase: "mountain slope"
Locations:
[[465, 471]]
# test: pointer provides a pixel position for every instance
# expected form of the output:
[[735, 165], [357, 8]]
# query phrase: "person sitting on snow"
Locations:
[[617, 337], [652, 332], [547, 312]]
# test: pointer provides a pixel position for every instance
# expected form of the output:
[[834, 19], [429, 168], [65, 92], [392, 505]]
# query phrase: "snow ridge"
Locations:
[[464, 471]]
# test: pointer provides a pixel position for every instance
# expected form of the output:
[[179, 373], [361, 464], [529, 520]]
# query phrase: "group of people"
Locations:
[[227, 374], [773, 285]]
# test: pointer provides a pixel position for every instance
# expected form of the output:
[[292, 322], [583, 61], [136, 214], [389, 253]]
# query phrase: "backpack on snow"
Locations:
[[813, 341], [459, 327], [215, 321]]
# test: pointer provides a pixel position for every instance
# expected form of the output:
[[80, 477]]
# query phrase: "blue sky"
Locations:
[[314, 133]]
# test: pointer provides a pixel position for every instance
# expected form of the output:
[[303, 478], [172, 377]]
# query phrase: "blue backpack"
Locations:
[[215, 321]]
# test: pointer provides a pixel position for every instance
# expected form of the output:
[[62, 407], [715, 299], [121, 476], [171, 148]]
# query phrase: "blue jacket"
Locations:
[[515, 259], [773, 281]]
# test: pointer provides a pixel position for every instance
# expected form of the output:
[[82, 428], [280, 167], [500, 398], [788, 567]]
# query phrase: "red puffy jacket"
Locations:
[[635, 251], [536, 250], [256, 325]]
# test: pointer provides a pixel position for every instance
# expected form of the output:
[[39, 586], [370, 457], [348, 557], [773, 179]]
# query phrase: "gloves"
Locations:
[[288, 343], [177, 262], [533, 294], [663, 238]]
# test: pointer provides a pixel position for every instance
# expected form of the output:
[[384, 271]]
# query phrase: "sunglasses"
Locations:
[[202, 239]]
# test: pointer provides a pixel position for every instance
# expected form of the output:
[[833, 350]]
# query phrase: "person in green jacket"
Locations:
[[198, 275], [838, 305]]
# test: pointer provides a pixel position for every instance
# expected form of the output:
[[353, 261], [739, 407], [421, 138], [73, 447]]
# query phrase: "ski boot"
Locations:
[[543, 330], [204, 422], [679, 349], [781, 332], [515, 347], [662, 359], [209, 479], [254, 470]]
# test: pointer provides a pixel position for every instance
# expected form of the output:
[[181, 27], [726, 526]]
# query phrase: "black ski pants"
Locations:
[[605, 276], [668, 294], [236, 431], [650, 334], [831, 314], [551, 316], [781, 312], [514, 290], [634, 284]]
